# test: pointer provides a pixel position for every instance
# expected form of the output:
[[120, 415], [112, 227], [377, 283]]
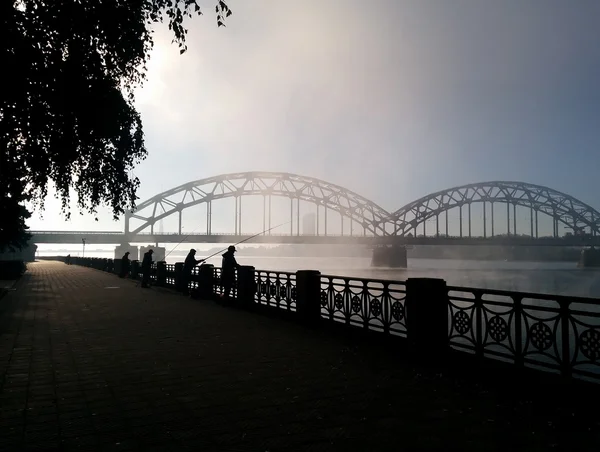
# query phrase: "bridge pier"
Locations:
[[389, 256]]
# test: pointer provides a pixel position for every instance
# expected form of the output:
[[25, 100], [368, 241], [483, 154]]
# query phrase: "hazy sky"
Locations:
[[393, 100]]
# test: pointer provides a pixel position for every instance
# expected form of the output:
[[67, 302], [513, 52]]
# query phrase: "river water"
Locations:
[[562, 278]]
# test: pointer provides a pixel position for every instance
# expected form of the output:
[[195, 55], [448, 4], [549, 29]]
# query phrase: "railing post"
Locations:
[[478, 324], [565, 339], [117, 266], [246, 286], [518, 331], [308, 292], [135, 269], [427, 315], [206, 274], [179, 277], [161, 273]]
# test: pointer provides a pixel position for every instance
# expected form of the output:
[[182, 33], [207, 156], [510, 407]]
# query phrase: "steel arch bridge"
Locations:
[[562, 208], [347, 203]]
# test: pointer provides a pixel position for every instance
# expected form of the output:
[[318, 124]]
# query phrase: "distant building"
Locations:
[[309, 226]]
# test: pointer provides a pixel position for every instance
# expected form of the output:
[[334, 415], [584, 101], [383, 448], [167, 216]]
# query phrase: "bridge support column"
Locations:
[[427, 316], [209, 218], [492, 212], [508, 219], [269, 214], [469, 213], [484, 221], [389, 256], [308, 296], [246, 287], [446, 223], [531, 221], [264, 214]]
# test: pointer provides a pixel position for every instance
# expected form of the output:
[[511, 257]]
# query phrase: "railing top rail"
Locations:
[[275, 271], [380, 281], [537, 296]]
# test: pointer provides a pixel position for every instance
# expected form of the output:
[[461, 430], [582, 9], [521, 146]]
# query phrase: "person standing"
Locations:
[[228, 269], [188, 265], [146, 268]]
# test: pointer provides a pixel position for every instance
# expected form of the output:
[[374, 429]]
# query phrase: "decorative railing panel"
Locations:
[[372, 304], [558, 333], [276, 289], [170, 275], [217, 283]]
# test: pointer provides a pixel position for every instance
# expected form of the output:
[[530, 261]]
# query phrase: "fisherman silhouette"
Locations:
[[146, 268], [228, 268], [188, 265]]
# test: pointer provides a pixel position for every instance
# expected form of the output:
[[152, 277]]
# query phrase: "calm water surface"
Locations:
[[541, 277]]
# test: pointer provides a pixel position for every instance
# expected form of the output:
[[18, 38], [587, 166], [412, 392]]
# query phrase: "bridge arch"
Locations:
[[563, 208], [308, 189]]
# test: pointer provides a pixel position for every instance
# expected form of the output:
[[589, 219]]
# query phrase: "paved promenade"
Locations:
[[91, 362]]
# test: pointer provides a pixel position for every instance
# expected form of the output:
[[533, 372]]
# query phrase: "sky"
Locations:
[[393, 100]]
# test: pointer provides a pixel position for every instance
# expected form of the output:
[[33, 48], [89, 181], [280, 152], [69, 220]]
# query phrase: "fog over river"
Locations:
[[542, 277]]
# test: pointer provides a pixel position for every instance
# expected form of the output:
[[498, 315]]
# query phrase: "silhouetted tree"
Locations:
[[67, 105]]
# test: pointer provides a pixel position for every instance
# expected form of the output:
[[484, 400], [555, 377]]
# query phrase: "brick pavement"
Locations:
[[91, 362]]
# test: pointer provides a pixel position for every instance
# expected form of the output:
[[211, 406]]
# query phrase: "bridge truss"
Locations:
[[562, 208], [575, 215], [326, 196]]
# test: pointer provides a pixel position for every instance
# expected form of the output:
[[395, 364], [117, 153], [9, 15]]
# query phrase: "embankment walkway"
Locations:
[[89, 361]]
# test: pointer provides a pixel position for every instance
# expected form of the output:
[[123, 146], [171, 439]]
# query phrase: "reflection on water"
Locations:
[[540, 277]]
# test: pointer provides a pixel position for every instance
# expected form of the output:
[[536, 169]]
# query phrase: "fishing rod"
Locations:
[[225, 249], [245, 240], [184, 239]]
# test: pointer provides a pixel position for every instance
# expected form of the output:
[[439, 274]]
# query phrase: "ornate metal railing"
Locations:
[[217, 287], [170, 275], [276, 289], [554, 332], [550, 332], [372, 304]]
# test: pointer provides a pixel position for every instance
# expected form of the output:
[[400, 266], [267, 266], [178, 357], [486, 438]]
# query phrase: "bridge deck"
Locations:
[[92, 361]]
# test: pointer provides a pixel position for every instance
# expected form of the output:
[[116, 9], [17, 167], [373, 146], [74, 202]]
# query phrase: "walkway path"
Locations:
[[90, 362]]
